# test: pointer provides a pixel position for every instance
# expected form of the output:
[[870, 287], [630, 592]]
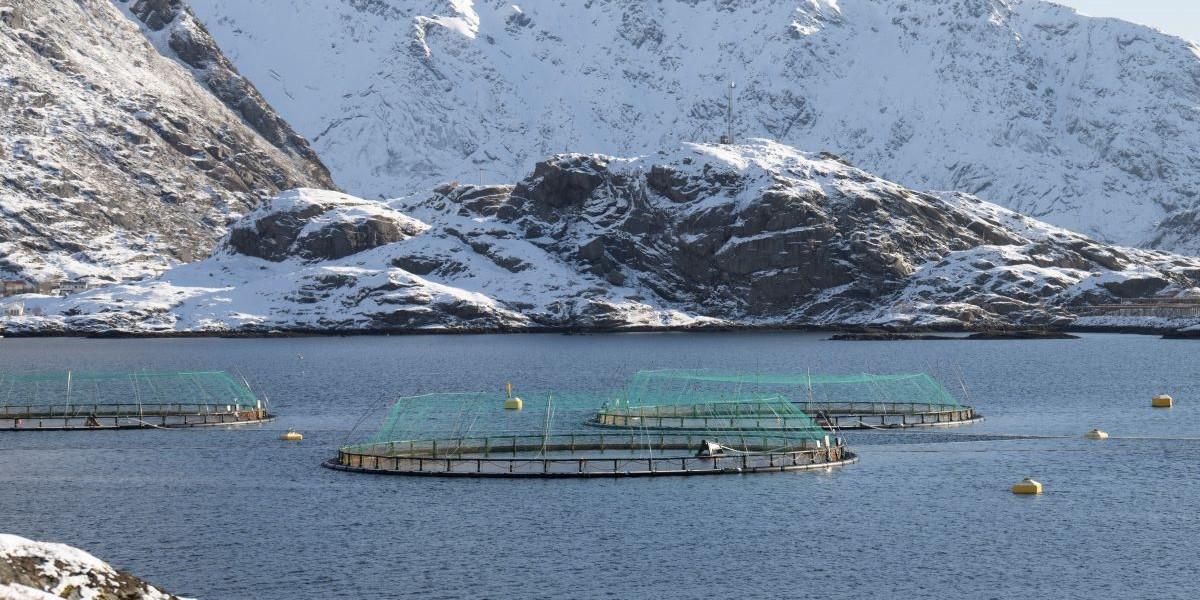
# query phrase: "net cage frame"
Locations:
[[472, 434], [90, 400], [840, 402]]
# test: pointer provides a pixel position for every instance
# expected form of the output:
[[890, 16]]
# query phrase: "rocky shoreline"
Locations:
[[701, 237], [838, 333]]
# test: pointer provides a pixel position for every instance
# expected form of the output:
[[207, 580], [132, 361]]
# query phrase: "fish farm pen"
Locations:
[[864, 401], [127, 400], [553, 435]]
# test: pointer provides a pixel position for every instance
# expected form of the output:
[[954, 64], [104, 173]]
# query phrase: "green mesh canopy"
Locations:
[[701, 402], [670, 387], [629, 431], [479, 415], [214, 388]]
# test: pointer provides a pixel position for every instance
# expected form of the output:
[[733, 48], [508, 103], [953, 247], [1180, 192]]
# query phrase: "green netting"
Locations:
[[210, 388], [669, 387], [479, 415], [703, 402]]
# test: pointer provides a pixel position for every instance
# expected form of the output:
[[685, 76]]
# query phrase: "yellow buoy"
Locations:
[[291, 436], [511, 402], [1096, 434], [1027, 486], [1162, 401]]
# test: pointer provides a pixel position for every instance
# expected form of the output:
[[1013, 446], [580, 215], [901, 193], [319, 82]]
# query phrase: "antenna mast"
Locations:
[[729, 121], [728, 137]]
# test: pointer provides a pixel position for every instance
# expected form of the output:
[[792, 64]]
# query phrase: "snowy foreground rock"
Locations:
[[32, 570], [756, 234], [1090, 124]]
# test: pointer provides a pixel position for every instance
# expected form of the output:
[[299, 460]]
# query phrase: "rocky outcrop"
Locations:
[[317, 225], [756, 234], [39, 570], [760, 232], [116, 161]]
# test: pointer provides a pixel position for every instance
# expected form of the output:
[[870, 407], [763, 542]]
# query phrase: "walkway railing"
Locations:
[[126, 415], [774, 416], [526, 455]]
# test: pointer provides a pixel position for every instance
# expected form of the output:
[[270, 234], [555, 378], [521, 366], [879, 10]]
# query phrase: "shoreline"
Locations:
[[883, 334]]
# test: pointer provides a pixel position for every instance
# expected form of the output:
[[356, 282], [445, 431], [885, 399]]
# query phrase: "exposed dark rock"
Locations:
[[345, 238], [1139, 287], [1183, 334], [272, 236], [297, 225], [1023, 334], [877, 336], [561, 182], [758, 258], [417, 265]]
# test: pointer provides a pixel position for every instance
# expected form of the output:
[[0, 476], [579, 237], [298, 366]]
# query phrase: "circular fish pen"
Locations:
[[839, 402], [762, 415], [590, 455], [132, 400], [548, 435]]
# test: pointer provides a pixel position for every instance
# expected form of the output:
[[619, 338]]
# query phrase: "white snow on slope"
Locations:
[[844, 247], [365, 290], [114, 161], [1090, 124]]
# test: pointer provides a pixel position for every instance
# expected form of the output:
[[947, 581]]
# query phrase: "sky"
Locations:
[[1177, 17]]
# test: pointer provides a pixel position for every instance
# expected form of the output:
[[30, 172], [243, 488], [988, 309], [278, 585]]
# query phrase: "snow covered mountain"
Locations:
[[1090, 124], [703, 235], [116, 160]]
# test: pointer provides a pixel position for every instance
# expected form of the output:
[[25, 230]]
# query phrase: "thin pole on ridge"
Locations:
[[727, 138], [729, 114]]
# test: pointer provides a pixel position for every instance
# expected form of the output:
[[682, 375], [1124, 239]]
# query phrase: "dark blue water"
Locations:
[[238, 514]]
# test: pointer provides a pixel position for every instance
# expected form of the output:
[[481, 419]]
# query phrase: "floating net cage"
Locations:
[[558, 435], [126, 400], [684, 398]]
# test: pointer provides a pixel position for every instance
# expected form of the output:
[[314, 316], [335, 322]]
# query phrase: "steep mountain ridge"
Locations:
[[1090, 124], [755, 234], [173, 29], [114, 160]]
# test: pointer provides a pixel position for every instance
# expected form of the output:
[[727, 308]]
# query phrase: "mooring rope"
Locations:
[[147, 424], [1015, 436], [1022, 436], [989, 437], [959, 450]]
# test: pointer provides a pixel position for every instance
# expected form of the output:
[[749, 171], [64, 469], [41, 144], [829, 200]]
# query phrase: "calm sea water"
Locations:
[[237, 514]]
